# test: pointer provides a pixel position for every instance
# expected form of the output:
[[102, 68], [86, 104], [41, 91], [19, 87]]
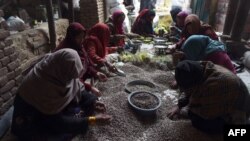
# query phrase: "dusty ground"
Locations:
[[127, 126]]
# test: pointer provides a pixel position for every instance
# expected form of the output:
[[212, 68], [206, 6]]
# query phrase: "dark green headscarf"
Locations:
[[188, 73]]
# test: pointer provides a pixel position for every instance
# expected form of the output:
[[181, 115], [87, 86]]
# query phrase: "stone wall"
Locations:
[[91, 12], [17, 52]]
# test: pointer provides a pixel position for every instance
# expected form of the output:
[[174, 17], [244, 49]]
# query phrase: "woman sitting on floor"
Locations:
[[45, 99], [74, 39], [214, 96], [96, 45], [193, 26], [143, 24], [115, 24], [176, 30], [200, 47]]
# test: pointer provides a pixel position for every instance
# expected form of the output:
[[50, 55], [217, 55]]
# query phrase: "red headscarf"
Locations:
[[73, 30], [99, 34], [144, 15], [118, 24], [193, 21]]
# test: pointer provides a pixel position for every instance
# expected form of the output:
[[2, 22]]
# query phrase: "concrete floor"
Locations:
[[245, 76]]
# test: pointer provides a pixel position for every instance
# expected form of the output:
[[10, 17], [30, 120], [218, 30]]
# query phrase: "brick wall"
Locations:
[[92, 12], [17, 52], [10, 71]]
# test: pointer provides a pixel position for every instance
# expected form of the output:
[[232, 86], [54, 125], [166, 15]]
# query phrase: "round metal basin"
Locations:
[[147, 84], [147, 109]]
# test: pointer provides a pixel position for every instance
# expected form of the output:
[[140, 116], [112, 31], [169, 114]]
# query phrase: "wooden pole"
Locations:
[[240, 19], [71, 11], [52, 32], [231, 12], [59, 3]]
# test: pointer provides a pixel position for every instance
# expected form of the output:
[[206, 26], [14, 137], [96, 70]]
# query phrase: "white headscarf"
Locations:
[[53, 82]]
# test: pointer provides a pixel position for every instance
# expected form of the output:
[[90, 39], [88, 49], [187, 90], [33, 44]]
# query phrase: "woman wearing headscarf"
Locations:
[[96, 45], [47, 92], [115, 24], [143, 24], [193, 26], [74, 40], [174, 12], [200, 47], [203, 48], [180, 19], [179, 25], [213, 94]]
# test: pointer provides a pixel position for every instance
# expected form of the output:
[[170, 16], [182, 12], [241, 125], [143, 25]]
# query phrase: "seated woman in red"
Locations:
[[74, 39], [115, 24], [143, 24], [96, 45]]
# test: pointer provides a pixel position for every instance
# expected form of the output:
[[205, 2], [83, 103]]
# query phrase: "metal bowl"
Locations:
[[144, 111], [139, 82], [159, 40], [160, 49]]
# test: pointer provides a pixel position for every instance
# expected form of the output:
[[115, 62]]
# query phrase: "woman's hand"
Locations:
[[174, 112], [172, 48], [96, 92], [119, 36], [111, 67], [102, 119], [101, 76], [100, 107], [120, 49], [179, 55]]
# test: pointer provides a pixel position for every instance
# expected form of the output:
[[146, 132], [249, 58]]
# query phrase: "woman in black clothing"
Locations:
[[50, 96]]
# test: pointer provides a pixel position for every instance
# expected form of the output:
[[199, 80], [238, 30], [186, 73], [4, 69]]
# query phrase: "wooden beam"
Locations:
[[231, 12], [59, 3], [51, 23], [240, 19], [71, 11]]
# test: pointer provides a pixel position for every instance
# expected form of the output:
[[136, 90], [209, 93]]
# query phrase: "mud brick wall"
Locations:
[[91, 12], [10, 71], [17, 52]]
